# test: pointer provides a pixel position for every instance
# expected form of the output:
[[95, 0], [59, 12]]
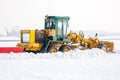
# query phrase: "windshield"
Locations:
[[65, 24], [50, 24], [59, 28], [62, 28]]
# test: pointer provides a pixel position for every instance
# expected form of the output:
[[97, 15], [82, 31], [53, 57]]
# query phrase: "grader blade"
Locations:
[[110, 46]]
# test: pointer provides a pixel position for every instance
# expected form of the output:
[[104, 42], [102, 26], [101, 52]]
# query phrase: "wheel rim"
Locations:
[[53, 50], [104, 49], [66, 49]]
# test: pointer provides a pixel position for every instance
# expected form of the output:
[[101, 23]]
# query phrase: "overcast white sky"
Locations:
[[85, 14]]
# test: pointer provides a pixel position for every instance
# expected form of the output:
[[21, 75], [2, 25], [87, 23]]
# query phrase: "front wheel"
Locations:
[[103, 47]]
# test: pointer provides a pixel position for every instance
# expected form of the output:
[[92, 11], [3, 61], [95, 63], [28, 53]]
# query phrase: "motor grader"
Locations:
[[54, 38]]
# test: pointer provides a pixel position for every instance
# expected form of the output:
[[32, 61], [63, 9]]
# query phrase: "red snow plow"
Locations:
[[11, 49]]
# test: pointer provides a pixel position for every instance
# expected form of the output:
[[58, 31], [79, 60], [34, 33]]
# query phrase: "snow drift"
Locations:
[[91, 64], [71, 54]]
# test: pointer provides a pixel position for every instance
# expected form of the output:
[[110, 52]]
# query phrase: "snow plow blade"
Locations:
[[11, 49]]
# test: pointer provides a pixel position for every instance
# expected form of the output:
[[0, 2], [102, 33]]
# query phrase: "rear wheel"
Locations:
[[52, 49], [103, 47], [65, 48]]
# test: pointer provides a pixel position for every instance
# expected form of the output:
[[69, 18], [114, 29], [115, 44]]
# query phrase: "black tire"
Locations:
[[65, 48], [52, 49], [103, 47]]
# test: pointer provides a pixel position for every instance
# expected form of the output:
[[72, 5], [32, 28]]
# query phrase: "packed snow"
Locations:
[[92, 64]]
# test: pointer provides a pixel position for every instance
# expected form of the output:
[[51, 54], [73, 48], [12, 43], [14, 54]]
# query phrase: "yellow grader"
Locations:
[[54, 38]]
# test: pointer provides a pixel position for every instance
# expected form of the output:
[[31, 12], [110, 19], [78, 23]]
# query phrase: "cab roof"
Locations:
[[59, 17]]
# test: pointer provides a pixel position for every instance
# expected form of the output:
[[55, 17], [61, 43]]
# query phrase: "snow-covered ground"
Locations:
[[91, 64]]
